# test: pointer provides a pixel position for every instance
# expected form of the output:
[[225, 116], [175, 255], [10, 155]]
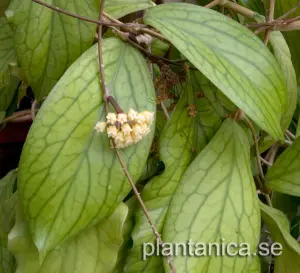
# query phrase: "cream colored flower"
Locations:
[[112, 131], [111, 118], [145, 130], [122, 118], [120, 144], [149, 116], [128, 140], [137, 129], [140, 118], [126, 129], [100, 127], [136, 137], [132, 114], [119, 136]]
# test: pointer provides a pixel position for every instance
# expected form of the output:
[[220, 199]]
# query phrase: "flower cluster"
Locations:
[[126, 129]]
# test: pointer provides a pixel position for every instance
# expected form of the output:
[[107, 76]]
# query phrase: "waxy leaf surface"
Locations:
[[284, 175], [8, 84], [182, 134], [283, 57], [48, 42], [278, 224], [119, 8], [94, 250], [230, 56], [6, 192], [216, 201], [69, 177], [292, 37]]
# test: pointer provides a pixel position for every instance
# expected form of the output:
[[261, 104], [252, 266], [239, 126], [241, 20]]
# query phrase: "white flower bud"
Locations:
[[126, 129], [100, 127], [111, 118], [112, 131], [122, 118], [132, 115]]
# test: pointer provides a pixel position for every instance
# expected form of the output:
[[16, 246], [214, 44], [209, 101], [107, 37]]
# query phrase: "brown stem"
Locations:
[[270, 19], [107, 99], [33, 109], [115, 105], [15, 116], [292, 136]]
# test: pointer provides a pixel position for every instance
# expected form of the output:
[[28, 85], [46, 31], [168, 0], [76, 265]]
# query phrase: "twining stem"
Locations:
[[107, 99], [270, 19], [25, 115], [33, 109], [292, 136]]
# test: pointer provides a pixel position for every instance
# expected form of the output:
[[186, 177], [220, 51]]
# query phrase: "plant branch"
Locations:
[[270, 19], [16, 116], [107, 99]]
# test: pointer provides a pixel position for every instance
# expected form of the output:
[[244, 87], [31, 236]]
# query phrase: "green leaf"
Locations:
[[8, 84], [7, 52], [181, 134], [159, 47], [94, 250], [292, 37], [230, 56], [284, 175], [278, 225], [6, 191], [216, 199], [255, 267], [119, 8], [283, 57], [68, 169], [47, 42]]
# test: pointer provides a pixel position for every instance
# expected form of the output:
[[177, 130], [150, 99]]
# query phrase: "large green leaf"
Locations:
[[119, 8], [68, 169], [230, 55], [94, 250], [8, 84], [6, 191], [283, 57], [292, 37], [7, 52], [284, 175], [47, 42], [216, 200], [182, 133], [278, 225]]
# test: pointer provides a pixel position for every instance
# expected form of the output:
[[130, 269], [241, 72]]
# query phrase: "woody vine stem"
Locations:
[[107, 99]]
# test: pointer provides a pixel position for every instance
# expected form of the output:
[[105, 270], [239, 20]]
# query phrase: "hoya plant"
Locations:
[[163, 136]]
